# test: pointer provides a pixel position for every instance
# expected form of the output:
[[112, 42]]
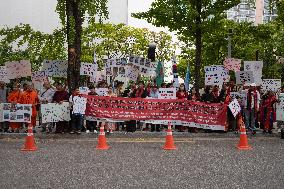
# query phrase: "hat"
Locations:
[[253, 85]]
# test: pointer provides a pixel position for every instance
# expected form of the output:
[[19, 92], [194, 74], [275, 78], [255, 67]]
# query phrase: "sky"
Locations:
[[41, 15]]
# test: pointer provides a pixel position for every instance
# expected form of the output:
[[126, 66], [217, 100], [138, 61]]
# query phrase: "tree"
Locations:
[[73, 13], [190, 18]]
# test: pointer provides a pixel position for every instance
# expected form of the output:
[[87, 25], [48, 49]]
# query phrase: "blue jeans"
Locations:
[[77, 122], [250, 119]]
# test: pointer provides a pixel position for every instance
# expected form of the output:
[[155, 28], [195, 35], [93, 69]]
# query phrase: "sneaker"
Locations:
[[95, 131], [78, 132], [87, 131], [72, 132]]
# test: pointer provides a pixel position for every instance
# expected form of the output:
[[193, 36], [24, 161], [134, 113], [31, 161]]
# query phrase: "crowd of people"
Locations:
[[258, 111]]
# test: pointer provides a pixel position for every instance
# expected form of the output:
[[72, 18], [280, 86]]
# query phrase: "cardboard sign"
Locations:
[[55, 68], [232, 64], [39, 77], [84, 90], [244, 77], [242, 95], [256, 68], [54, 112], [132, 72], [18, 69], [271, 85], [216, 75], [3, 74], [88, 69], [17, 112], [79, 105], [235, 107], [167, 93]]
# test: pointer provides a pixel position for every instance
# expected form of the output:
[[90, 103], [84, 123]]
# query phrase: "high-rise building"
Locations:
[[261, 12]]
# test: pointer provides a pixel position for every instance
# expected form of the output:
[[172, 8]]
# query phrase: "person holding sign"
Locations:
[[252, 107], [268, 111], [30, 96], [14, 97]]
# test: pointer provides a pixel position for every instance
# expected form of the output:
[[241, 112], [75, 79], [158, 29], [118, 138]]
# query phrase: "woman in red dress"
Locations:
[[181, 94]]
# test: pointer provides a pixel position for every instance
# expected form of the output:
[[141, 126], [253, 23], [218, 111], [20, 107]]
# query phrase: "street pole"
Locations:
[[230, 43]]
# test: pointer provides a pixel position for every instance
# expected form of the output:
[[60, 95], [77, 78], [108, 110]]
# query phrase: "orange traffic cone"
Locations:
[[30, 141], [243, 144], [102, 145], [169, 145]]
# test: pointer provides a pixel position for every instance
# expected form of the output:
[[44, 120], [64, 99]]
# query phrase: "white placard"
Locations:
[[167, 93], [101, 91], [280, 108], [244, 77], [84, 90], [79, 105], [17, 112], [132, 72], [88, 69], [271, 85], [55, 68], [242, 95], [54, 112], [216, 75], [3, 74], [235, 107], [18, 69], [39, 77], [256, 68]]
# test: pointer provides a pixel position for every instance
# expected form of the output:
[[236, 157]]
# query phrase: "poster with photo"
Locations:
[[132, 72], [17, 112], [256, 68], [54, 112]]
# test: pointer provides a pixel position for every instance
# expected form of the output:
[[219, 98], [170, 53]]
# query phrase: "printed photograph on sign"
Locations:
[[136, 60], [131, 59]]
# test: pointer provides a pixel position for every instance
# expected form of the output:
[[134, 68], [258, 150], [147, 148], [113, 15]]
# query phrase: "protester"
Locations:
[[46, 96], [77, 118], [3, 99], [268, 112], [193, 95], [91, 124], [140, 91], [207, 96], [181, 93], [61, 96], [14, 98], [110, 126], [30, 96], [252, 107]]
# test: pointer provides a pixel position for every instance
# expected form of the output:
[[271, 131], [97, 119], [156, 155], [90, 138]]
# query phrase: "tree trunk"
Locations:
[[74, 33], [198, 46]]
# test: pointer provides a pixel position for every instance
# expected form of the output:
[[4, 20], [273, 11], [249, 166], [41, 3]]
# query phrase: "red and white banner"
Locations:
[[188, 113]]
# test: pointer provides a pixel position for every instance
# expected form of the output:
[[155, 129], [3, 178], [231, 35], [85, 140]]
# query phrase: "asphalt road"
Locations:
[[200, 162]]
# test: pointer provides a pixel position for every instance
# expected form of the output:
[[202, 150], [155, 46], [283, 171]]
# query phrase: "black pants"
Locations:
[[130, 126], [91, 125], [155, 127]]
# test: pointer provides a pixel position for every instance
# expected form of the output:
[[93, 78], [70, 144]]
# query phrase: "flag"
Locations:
[[159, 74], [187, 78]]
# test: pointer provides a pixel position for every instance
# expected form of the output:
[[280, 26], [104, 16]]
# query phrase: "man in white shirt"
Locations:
[[45, 97]]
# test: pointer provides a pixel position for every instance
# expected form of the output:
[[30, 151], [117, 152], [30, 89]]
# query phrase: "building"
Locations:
[[261, 12]]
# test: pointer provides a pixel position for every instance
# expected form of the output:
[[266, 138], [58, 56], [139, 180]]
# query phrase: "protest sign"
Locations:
[[17, 112], [271, 85], [54, 112], [256, 68], [3, 75], [242, 95], [79, 105], [216, 75], [280, 108], [18, 69], [55, 68], [167, 93], [132, 72], [232, 64], [244, 77], [201, 115], [84, 90], [235, 107], [101, 91], [100, 76], [39, 77], [88, 69]]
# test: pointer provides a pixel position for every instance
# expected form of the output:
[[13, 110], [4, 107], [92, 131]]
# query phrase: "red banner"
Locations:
[[195, 114]]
